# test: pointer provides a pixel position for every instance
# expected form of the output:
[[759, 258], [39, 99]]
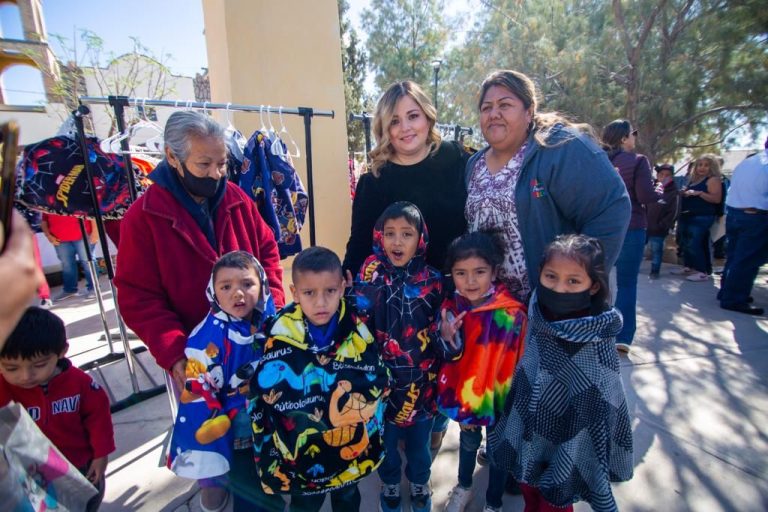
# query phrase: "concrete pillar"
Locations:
[[288, 53]]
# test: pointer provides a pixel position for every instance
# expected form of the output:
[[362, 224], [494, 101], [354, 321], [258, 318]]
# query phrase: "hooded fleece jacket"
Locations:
[[165, 259], [403, 303], [473, 386], [316, 408]]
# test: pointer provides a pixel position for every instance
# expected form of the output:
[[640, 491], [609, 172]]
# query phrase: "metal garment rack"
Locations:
[[458, 131], [128, 354], [119, 103]]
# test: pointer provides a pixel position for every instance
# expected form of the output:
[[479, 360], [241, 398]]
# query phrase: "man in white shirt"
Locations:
[[747, 231]]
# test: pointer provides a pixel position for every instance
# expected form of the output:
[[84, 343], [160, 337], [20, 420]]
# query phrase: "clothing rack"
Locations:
[[119, 103], [365, 118], [128, 353], [459, 132]]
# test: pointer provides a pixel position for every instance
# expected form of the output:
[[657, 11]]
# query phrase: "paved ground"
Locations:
[[696, 382]]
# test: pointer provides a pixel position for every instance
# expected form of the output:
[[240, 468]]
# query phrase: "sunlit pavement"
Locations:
[[696, 382]]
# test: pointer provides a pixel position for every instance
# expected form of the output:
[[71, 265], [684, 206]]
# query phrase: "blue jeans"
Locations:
[[469, 442], [627, 267], [657, 252], [69, 253], [694, 236], [418, 457], [747, 250]]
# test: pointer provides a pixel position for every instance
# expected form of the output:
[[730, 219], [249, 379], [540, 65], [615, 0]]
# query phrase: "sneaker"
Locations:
[[653, 276], [697, 277], [86, 294], [458, 498], [63, 295], [482, 456], [389, 499], [218, 495], [489, 508], [622, 347], [684, 271], [421, 498], [46, 303]]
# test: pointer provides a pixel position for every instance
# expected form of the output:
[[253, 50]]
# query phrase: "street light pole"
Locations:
[[436, 67]]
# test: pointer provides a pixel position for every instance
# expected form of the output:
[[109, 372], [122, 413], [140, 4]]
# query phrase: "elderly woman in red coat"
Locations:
[[173, 234]]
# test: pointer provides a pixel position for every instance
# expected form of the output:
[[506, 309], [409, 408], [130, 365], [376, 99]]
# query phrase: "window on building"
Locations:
[[22, 85]]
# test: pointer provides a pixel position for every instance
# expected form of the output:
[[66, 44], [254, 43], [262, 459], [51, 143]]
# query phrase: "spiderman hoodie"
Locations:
[[473, 385], [401, 304], [317, 403], [221, 354]]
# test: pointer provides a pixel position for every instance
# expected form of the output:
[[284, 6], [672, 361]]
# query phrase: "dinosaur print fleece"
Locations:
[[402, 304], [317, 414]]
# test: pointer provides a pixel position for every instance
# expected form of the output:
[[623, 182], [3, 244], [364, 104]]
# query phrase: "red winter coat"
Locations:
[[71, 410], [164, 263]]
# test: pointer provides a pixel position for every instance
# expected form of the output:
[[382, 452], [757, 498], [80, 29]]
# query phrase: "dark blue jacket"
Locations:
[[569, 186]]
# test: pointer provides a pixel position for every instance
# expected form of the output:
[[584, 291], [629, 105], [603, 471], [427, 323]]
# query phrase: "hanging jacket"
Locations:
[[473, 386], [221, 354], [403, 304], [317, 413], [277, 190], [54, 180], [565, 428]]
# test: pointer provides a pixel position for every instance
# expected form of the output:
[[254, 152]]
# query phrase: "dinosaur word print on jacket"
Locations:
[[317, 413]]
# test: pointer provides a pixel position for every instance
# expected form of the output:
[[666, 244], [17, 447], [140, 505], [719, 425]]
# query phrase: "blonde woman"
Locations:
[[698, 208], [409, 163]]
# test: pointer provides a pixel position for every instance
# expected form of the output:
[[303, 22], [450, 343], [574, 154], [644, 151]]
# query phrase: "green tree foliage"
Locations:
[[404, 37], [353, 63], [686, 72]]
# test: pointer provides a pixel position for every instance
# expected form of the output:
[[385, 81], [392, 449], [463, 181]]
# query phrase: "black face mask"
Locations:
[[201, 187], [564, 304]]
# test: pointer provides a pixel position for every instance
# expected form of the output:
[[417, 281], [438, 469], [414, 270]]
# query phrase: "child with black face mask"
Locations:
[[565, 433]]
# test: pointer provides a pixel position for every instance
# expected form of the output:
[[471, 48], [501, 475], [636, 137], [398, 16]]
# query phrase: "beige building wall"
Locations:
[[288, 53]]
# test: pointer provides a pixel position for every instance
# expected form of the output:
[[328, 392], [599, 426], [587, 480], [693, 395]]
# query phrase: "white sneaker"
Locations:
[[682, 271], [489, 508], [458, 499], [622, 347]]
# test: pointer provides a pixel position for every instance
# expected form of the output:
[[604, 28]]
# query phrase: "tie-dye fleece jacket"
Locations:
[[472, 387], [317, 413]]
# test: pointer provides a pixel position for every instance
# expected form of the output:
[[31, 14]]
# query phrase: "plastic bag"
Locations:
[[34, 475]]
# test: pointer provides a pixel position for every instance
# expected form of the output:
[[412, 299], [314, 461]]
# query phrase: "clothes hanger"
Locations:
[[156, 142], [283, 130], [263, 128]]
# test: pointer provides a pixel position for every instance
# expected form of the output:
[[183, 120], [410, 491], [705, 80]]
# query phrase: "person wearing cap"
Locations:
[[746, 226], [661, 215]]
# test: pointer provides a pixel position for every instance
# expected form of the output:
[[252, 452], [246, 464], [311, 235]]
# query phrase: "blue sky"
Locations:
[[173, 27]]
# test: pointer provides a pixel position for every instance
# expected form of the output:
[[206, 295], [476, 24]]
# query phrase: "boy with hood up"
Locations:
[[402, 294]]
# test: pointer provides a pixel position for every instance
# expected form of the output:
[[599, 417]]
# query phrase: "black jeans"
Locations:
[[342, 500]]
